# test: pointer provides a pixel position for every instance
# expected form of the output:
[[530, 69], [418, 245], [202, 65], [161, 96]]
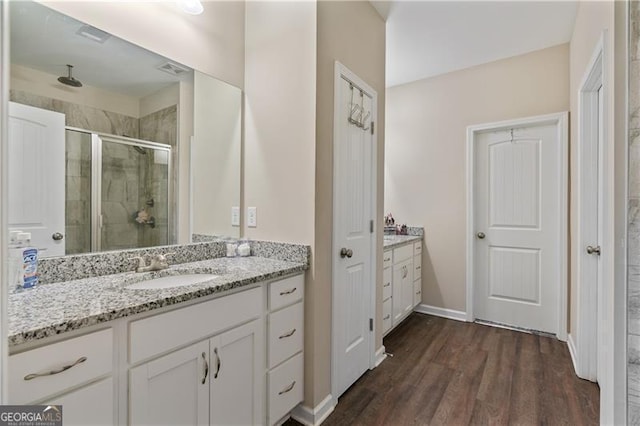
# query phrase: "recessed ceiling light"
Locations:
[[93, 33], [192, 7]]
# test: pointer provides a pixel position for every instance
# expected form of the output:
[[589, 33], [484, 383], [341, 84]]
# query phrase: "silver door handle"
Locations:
[[593, 250], [57, 370], [481, 235], [345, 252], [218, 362], [288, 388], [57, 236], [206, 367]]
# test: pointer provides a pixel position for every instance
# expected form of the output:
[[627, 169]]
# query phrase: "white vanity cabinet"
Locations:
[[219, 380], [401, 283], [215, 381], [76, 373]]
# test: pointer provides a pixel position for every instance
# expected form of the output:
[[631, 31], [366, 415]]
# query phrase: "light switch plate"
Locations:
[[235, 216], [252, 217]]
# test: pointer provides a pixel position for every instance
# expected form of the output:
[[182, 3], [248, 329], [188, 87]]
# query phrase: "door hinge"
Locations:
[[370, 324], [372, 127], [371, 226]]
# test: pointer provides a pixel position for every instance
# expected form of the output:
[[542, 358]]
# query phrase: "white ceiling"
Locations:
[[427, 38], [46, 40]]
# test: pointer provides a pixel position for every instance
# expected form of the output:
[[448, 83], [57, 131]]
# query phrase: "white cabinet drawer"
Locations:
[[90, 356], [417, 292], [285, 388], [387, 274], [285, 333], [402, 253], [386, 315], [417, 267], [90, 405], [158, 334], [285, 292], [387, 258], [417, 248]]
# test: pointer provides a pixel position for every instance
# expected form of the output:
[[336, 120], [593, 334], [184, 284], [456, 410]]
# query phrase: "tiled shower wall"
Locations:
[[633, 307], [129, 178]]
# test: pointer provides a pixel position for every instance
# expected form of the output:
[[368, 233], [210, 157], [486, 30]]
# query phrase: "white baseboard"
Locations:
[[314, 416], [572, 352], [381, 355], [441, 312]]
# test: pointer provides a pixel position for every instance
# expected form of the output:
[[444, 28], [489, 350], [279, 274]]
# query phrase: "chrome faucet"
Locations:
[[158, 262]]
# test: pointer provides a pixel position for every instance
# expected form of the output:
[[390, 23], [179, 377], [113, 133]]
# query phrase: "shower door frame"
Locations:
[[96, 180]]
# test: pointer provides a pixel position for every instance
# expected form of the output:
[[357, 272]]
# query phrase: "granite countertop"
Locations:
[[392, 241], [52, 309]]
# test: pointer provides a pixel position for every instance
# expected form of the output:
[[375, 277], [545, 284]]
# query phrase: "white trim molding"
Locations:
[[441, 312], [381, 355], [572, 350], [561, 120], [316, 415]]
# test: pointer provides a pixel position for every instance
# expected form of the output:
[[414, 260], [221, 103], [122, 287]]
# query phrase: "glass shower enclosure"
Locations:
[[117, 192]]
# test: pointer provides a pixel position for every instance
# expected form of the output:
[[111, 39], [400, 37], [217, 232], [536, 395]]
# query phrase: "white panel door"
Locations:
[[36, 176], [237, 376], [517, 221], [171, 390], [353, 283]]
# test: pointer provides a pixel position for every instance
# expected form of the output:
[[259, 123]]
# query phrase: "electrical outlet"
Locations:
[[235, 216], [252, 217]]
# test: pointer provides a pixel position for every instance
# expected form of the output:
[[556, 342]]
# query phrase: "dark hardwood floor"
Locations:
[[446, 372]]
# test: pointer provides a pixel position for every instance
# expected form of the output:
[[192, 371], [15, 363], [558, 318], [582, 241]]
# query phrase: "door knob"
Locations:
[[57, 236], [593, 250], [345, 252], [480, 235]]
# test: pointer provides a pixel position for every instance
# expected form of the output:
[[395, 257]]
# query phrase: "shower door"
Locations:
[[118, 195]]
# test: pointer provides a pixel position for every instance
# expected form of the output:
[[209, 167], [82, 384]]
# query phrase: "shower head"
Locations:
[[69, 80]]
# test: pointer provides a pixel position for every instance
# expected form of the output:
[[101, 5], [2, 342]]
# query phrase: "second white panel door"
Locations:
[[517, 224]]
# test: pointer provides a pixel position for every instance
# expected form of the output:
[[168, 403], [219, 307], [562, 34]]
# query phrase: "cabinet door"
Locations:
[[90, 405], [237, 376], [396, 300], [407, 288], [171, 390]]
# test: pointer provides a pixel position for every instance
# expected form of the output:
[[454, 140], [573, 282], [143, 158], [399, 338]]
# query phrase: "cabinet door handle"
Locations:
[[387, 285], [417, 267], [206, 367], [289, 334], [218, 363], [56, 371], [284, 293], [288, 388], [386, 318]]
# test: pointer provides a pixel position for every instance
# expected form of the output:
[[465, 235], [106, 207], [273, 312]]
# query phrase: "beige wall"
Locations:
[[426, 151], [212, 42], [280, 99], [39, 83], [354, 34]]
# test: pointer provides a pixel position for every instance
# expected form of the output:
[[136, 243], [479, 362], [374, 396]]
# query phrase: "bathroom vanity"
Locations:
[[228, 350], [401, 278]]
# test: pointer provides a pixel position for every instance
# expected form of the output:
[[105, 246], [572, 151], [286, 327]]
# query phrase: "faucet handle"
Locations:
[[162, 257], [141, 262]]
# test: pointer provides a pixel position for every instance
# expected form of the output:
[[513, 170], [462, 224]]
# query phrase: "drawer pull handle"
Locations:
[[387, 259], [288, 388], [387, 285], [387, 317], [57, 371], [284, 293], [289, 334], [417, 267], [218, 363], [206, 367]]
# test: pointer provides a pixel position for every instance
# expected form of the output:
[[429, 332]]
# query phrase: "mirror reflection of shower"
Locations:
[[117, 192]]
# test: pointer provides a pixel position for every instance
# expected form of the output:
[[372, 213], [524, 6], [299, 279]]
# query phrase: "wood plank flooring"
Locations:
[[447, 372]]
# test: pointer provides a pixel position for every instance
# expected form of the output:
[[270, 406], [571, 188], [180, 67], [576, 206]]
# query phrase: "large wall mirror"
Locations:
[[95, 129]]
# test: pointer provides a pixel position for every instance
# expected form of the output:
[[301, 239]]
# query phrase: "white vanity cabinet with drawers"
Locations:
[[231, 359], [401, 283]]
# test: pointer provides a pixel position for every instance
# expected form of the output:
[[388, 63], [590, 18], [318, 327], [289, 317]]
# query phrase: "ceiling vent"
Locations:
[[93, 34], [173, 68]]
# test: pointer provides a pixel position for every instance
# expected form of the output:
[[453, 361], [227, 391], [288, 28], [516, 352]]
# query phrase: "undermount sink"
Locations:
[[171, 281]]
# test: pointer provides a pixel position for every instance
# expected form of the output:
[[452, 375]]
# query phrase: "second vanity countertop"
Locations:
[[52, 309], [392, 241]]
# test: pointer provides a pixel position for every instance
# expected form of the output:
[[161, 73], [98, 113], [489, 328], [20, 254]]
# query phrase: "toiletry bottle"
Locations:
[[27, 260]]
